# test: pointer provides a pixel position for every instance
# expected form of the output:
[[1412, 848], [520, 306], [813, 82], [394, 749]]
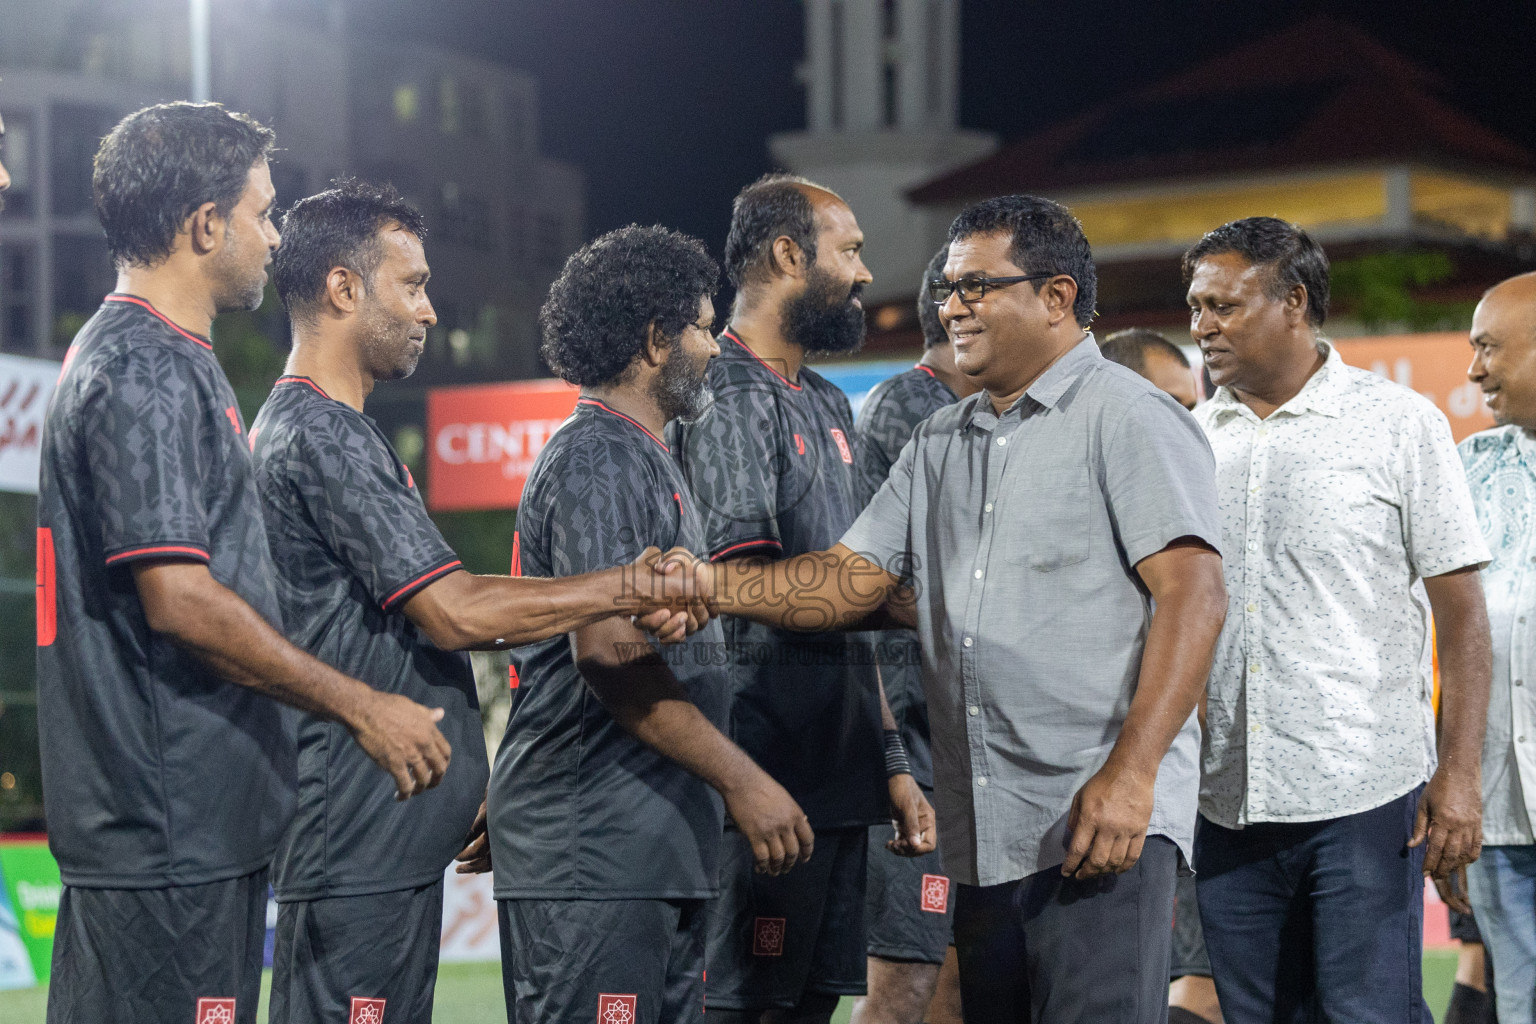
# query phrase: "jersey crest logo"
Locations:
[[799, 445], [768, 936], [215, 1011], [234, 418], [366, 1011], [842, 445], [615, 1009], [935, 898]]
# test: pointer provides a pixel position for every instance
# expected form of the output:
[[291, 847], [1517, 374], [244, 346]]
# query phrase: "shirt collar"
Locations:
[[1050, 387], [1323, 393]]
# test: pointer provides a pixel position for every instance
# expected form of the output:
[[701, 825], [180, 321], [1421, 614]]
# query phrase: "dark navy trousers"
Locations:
[[1316, 921]]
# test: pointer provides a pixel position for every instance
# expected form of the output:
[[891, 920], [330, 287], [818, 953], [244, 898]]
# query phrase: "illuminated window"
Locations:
[[407, 103]]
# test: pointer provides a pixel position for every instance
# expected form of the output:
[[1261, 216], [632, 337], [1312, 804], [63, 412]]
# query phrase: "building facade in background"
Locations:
[[458, 135], [882, 92]]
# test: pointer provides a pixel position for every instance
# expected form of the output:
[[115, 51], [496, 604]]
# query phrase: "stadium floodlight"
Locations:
[[201, 92]]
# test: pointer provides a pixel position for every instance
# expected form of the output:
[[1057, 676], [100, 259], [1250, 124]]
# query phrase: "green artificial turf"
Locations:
[[471, 994]]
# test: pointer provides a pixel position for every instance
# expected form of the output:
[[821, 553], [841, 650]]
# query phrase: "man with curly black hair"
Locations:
[[367, 584], [606, 797]]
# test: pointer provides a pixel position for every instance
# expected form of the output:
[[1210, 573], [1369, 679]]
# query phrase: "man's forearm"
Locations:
[[1174, 666], [215, 625], [815, 592], [1466, 667], [466, 612], [645, 698]]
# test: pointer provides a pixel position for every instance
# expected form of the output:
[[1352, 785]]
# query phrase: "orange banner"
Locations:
[[482, 440], [1434, 365]]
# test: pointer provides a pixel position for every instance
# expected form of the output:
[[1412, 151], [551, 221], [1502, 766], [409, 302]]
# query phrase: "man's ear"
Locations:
[[1296, 305], [343, 290], [1059, 295], [787, 257], [656, 346], [205, 228]]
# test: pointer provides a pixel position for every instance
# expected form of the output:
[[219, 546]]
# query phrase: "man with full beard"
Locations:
[[366, 583], [771, 466], [606, 799]]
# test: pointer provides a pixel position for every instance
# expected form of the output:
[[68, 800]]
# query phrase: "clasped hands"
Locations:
[[668, 594]]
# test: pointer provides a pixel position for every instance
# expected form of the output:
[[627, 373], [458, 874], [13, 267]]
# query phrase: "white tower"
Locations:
[[882, 82]]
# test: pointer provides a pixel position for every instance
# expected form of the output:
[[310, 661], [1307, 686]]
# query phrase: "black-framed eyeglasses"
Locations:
[[973, 287]]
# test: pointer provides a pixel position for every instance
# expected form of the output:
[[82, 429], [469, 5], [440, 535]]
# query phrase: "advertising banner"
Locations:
[[25, 387], [32, 888], [482, 440], [1434, 365]]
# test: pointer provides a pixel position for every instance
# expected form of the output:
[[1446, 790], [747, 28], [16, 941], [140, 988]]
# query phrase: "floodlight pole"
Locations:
[[201, 92]]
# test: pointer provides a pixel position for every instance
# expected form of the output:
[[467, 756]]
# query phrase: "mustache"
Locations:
[[856, 292]]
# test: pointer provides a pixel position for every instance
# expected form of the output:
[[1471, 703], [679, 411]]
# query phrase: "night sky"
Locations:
[[667, 104]]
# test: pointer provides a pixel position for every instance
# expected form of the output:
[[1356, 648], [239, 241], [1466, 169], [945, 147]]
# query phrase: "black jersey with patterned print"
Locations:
[[580, 808], [890, 413], [157, 772], [352, 541], [770, 463]]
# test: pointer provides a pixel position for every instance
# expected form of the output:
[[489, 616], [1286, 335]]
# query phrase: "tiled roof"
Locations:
[[1322, 92]]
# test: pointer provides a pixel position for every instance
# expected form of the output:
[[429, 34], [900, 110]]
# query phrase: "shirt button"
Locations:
[[1252, 607], [978, 574], [1003, 440], [969, 641], [1519, 682], [1522, 620], [974, 710], [1519, 739], [1255, 667], [981, 780], [988, 508], [1253, 545], [1254, 728]]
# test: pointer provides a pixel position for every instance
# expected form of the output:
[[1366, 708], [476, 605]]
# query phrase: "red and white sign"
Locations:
[[482, 440], [215, 1011], [768, 936], [25, 387], [615, 1009], [842, 444], [366, 1011], [935, 894], [469, 918]]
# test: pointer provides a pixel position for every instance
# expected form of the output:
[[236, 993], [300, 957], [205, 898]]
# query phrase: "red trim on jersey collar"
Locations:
[[119, 297], [615, 412], [296, 379], [766, 365], [925, 369]]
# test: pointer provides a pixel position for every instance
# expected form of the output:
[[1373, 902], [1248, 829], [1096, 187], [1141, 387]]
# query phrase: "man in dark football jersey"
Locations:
[[167, 765], [606, 798], [771, 466], [367, 584], [908, 910]]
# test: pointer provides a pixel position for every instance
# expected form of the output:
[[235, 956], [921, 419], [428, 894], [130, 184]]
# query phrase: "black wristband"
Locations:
[[895, 754]]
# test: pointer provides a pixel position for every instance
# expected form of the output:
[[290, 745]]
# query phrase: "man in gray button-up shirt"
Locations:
[[1037, 523]]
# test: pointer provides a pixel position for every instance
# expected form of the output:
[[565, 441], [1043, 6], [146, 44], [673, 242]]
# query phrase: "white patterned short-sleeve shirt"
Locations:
[[1333, 509], [1501, 469]]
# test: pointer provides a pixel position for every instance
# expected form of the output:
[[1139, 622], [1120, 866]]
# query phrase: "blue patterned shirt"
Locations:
[[1501, 469]]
